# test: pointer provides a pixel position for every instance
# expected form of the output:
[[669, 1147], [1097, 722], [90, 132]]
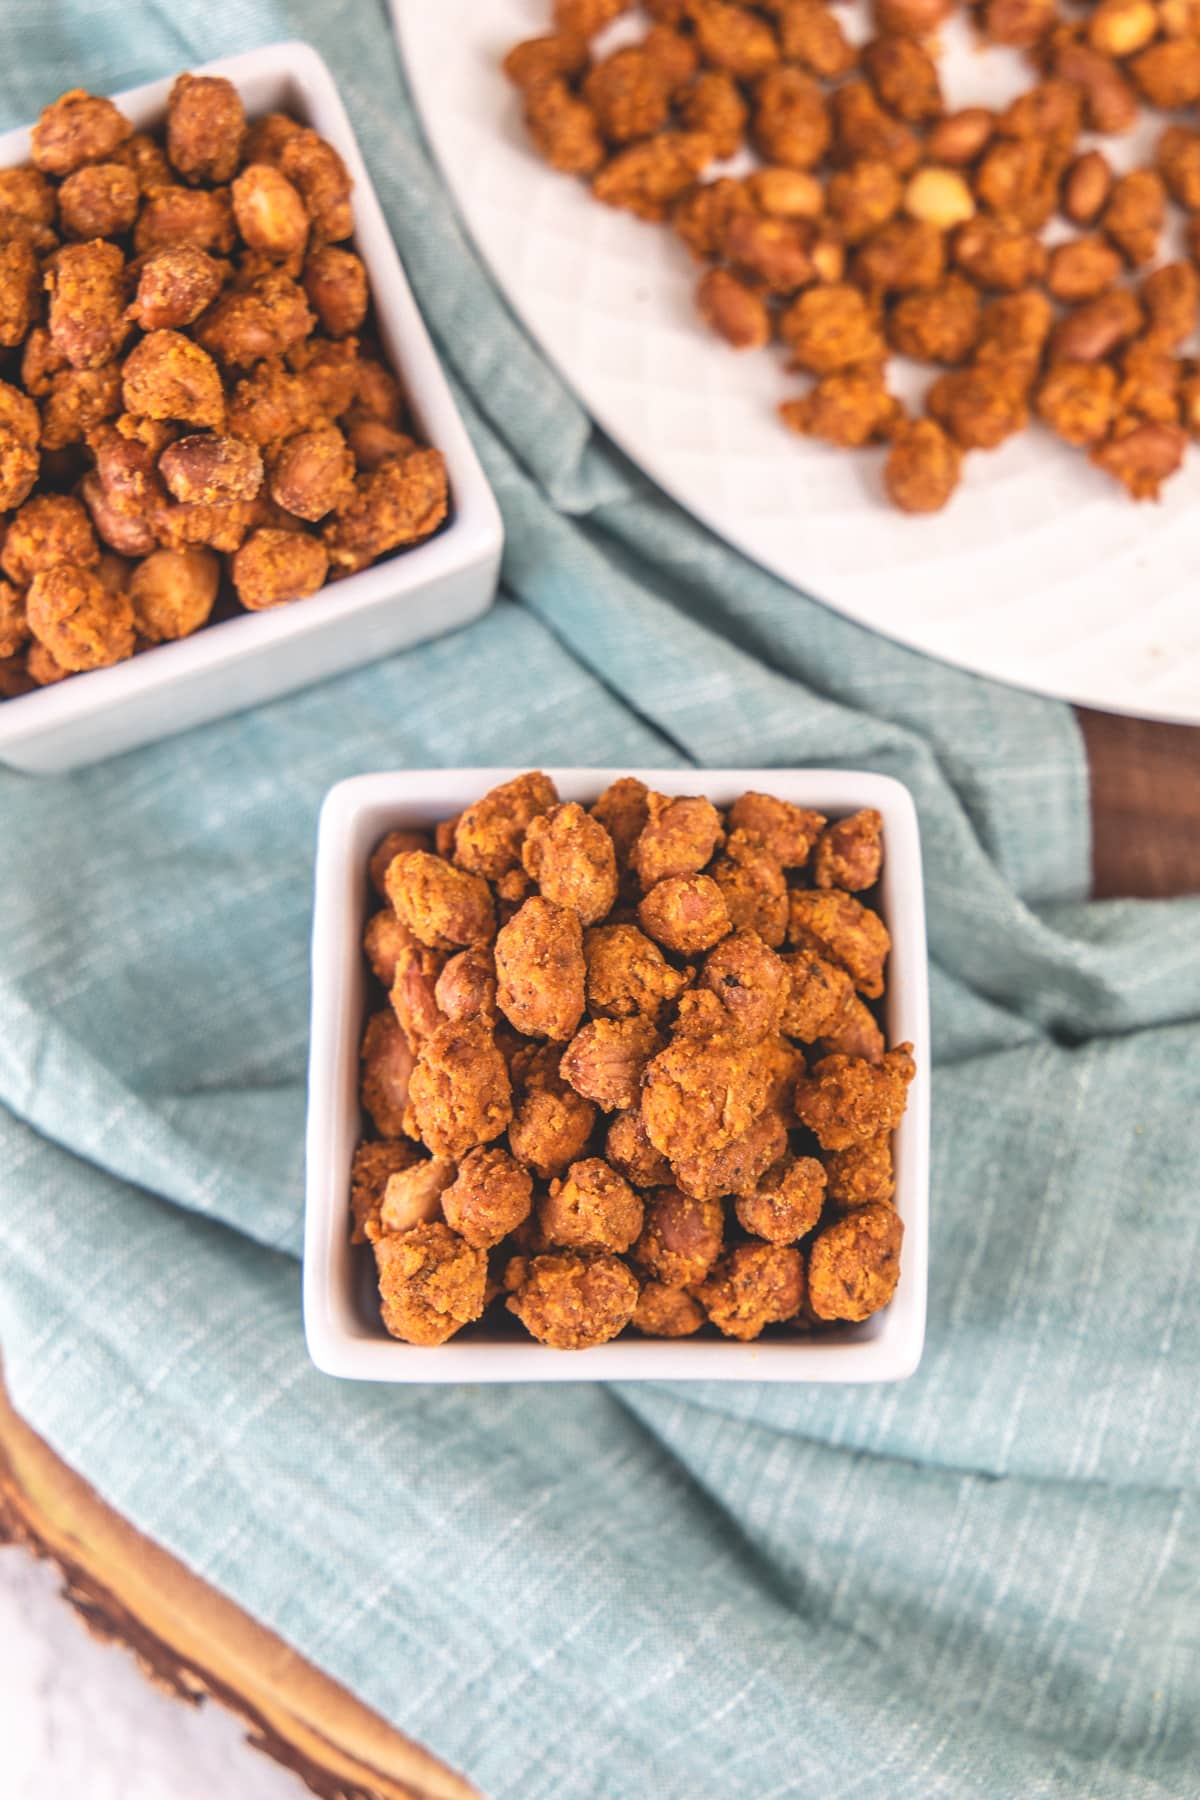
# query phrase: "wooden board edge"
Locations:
[[194, 1644]]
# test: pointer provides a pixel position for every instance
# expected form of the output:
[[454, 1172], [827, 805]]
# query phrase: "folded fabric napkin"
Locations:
[[983, 1582]]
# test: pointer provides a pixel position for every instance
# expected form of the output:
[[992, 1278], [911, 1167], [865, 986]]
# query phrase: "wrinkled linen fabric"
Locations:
[[980, 1582]]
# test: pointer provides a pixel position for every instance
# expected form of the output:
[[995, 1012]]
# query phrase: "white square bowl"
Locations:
[[419, 593], [341, 1316]]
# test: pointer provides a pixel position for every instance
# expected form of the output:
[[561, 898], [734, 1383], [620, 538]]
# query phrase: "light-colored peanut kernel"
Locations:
[[786, 193], [939, 197], [828, 258], [1119, 27]]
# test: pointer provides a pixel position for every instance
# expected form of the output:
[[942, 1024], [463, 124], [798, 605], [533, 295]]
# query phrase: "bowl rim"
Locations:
[[473, 534], [353, 816]]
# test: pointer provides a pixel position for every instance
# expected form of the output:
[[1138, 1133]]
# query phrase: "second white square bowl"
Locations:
[[420, 593], [341, 1315]]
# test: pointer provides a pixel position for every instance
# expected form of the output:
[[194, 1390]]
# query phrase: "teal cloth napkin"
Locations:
[[983, 1582]]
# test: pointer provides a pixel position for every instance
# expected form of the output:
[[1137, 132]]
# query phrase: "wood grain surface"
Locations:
[[193, 1643], [1145, 806], [188, 1638]]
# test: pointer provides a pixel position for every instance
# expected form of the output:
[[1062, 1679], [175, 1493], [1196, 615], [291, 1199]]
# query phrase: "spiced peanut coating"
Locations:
[[314, 167], [466, 987], [750, 981], [939, 325], [100, 200], [20, 289], [489, 833], [819, 993], [373, 1165], [681, 1238], [335, 281], [590, 1208], [679, 837], [712, 103], [563, 127], [313, 473], [861, 1174], [79, 400], [540, 59], [629, 1151], [1141, 455], [788, 831], [923, 467], [685, 913], [854, 1264], [174, 287], [459, 1094], [387, 1064], [172, 216], [206, 126], [753, 887], [211, 470], [76, 618], [273, 403], [75, 129], [849, 854], [401, 502], [855, 1032], [699, 1096], [628, 974], [489, 1197], [540, 971], [29, 201], [264, 319], [14, 626], [571, 1301], [850, 408], [393, 844], [831, 328], [272, 567], [167, 376], [442, 906], [411, 992], [47, 530], [705, 1092], [624, 810], [628, 95], [787, 1202], [86, 284], [19, 465], [646, 178], [1078, 400], [571, 857], [552, 1125], [172, 593], [847, 1100], [666, 1312], [606, 1059], [431, 1283], [384, 938], [755, 1286]]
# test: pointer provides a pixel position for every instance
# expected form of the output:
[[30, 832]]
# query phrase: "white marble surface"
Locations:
[[78, 1718]]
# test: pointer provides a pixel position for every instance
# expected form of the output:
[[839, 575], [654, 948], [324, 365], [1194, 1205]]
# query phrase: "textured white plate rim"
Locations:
[[1119, 632], [355, 814], [474, 533]]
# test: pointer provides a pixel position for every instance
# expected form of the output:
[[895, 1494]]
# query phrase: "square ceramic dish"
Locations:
[[341, 1313], [436, 587]]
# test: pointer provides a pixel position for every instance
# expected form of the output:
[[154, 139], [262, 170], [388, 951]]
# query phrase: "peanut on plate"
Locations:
[[870, 218]]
